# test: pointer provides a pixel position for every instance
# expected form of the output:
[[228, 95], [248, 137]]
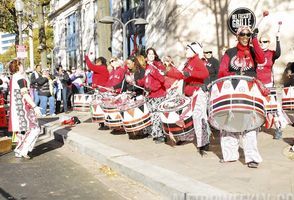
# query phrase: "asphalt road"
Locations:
[[49, 175]]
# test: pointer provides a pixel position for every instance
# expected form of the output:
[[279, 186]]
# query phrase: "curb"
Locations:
[[167, 183]]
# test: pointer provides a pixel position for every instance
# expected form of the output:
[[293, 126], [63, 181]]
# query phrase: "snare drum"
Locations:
[[236, 104], [174, 110], [82, 102], [136, 115]]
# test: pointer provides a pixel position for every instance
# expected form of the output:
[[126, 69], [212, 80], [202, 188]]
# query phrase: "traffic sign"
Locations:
[[21, 51]]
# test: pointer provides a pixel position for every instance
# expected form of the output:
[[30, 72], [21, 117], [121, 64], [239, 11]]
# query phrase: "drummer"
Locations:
[[243, 60], [136, 70], [195, 73], [264, 72], [116, 76], [153, 82]]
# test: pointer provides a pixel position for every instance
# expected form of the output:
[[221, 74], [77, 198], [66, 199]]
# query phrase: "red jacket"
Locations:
[[116, 78], [100, 73], [264, 71], [171, 76], [153, 80], [195, 73], [224, 69]]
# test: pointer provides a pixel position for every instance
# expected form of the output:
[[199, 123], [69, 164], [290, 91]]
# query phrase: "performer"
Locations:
[[153, 82], [136, 71], [241, 59], [116, 76], [264, 73], [23, 112], [195, 73], [100, 71]]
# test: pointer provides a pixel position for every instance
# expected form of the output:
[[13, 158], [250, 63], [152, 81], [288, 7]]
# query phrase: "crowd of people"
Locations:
[[157, 80]]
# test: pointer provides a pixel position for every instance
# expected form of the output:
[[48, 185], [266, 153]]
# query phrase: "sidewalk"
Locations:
[[180, 172]]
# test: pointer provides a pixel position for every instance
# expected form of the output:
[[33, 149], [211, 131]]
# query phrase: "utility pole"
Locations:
[[42, 36]]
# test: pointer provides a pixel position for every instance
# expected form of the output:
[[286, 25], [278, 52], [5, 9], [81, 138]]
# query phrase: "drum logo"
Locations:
[[241, 17]]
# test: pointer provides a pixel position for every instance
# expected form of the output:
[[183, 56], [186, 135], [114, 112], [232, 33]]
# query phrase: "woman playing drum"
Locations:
[[264, 73], [195, 73], [243, 60], [153, 82]]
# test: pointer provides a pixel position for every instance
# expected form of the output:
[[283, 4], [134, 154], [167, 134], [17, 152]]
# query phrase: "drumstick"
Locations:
[[106, 88], [280, 23], [264, 14]]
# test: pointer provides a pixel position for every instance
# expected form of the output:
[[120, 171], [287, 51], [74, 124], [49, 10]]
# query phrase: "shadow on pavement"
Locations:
[[6, 195], [45, 147]]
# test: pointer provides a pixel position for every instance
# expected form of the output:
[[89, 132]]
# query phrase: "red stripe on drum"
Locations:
[[230, 96], [288, 100], [177, 128]]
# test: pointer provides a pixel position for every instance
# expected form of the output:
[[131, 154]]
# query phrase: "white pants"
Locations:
[[230, 143], [201, 126], [27, 141]]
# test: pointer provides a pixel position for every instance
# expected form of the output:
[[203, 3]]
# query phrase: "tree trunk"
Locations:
[[103, 30], [42, 36]]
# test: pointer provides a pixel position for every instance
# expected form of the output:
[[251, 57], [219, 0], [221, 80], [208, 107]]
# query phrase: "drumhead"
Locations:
[[174, 104]]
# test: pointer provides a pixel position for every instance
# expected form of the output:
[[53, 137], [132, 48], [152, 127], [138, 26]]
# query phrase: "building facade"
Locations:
[[74, 28], [6, 40]]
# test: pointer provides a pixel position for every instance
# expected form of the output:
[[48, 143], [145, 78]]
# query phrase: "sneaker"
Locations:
[[43, 115], [252, 164], [52, 115]]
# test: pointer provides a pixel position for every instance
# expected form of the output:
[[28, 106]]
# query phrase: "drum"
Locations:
[[176, 118], [136, 115], [288, 99], [236, 104], [96, 110], [82, 102], [110, 106]]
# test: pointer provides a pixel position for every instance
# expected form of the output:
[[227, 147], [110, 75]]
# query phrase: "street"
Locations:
[[50, 174]]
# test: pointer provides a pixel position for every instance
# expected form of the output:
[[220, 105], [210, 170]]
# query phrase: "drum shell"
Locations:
[[170, 119], [135, 117], [236, 104], [288, 99], [82, 102]]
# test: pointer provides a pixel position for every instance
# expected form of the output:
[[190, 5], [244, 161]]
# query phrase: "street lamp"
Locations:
[[111, 20], [19, 8]]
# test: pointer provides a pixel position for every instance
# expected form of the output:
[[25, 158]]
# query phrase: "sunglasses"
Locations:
[[111, 61], [243, 34], [264, 42], [207, 52]]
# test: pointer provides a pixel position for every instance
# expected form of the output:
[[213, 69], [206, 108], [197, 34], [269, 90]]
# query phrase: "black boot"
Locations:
[[203, 149]]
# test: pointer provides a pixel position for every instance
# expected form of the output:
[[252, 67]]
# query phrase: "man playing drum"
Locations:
[[241, 60]]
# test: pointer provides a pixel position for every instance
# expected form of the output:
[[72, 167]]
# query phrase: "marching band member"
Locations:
[[23, 112], [264, 72], [153, 82], [195, 73], [241, 59], [100, 71], [116, 76], [136, 71]]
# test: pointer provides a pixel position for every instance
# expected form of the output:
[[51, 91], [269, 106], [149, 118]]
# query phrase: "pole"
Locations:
[[124, 42], [20, 27], [31, 43]]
